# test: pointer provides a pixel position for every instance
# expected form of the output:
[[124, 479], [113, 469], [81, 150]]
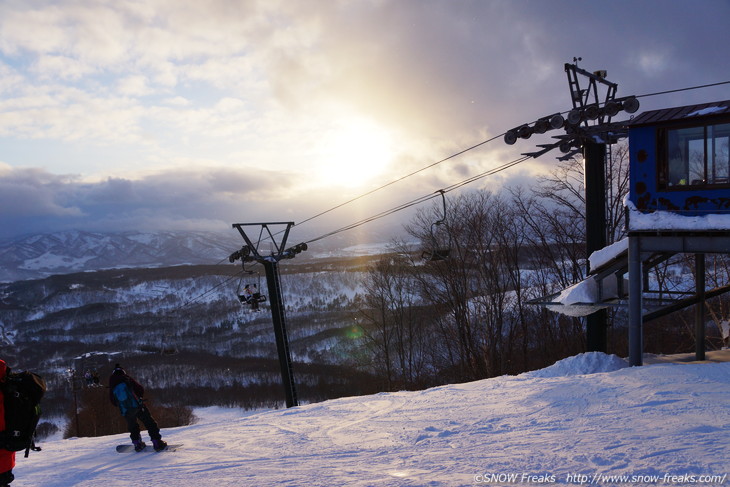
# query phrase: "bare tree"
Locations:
[[479, 289], [564, 187], [490, 254], [393, 325]]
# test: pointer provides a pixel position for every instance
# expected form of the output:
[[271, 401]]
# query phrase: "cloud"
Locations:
[[427, 67], [180, 111], [35, 200], [135, 85], [164, 200], [29, 193], [61, 67]]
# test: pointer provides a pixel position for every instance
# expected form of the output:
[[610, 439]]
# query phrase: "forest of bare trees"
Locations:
[[468, 316]]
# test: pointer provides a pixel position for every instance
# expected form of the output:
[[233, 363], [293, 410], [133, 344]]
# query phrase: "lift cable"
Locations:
[[710, 85], [432, 195], [452, 156], [402, 178], [382, 214], [460, 184], [487, 173], [192, 300], [422, 199]]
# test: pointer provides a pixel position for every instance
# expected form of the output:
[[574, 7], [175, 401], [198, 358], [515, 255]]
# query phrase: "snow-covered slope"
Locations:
[[570, 424]]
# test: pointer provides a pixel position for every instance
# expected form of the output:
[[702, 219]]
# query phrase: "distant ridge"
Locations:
[[41, 255]]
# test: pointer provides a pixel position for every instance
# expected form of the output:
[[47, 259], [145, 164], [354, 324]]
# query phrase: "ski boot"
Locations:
[[138, 445], [159, 445], [6, 478]]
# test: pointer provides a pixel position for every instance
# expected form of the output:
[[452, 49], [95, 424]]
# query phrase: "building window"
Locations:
[[696, 156], [718, 169]]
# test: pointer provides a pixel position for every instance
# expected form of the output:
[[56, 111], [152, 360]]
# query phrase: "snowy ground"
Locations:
[[585, 419]]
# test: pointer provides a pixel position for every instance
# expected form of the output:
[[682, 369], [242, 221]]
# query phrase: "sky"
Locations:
[[186, 115]]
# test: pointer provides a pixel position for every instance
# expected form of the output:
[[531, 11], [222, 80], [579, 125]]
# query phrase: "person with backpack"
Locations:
[[126, 393], [7, 457], [20, 410]]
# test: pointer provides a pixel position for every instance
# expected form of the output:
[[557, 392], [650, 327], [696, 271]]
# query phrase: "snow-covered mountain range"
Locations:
[[41, 255], [180, 326]]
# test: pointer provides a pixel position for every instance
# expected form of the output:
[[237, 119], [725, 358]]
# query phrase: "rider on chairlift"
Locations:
[[250, 296]]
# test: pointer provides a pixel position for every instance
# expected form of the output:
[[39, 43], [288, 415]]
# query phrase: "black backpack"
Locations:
[[22, 392]]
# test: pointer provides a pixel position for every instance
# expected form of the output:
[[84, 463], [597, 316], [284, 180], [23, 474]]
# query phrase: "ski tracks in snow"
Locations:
[[656, 420]]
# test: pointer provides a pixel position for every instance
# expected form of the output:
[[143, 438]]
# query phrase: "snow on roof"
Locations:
[[585, 297], [672, 114], [667, 220], [707, 111], [607, 254]]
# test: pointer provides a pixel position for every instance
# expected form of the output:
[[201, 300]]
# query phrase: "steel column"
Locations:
[[700, 307], [594, 156], [282, 341], [636, 346]]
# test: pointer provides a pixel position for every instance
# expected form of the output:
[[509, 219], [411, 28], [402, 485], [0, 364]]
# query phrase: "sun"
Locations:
[[353, 153]]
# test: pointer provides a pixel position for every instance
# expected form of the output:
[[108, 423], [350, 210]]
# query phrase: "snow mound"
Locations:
[[581, 364]]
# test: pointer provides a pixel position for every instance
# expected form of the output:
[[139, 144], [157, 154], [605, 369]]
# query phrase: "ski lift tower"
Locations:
[[588, 129], [249, 253]]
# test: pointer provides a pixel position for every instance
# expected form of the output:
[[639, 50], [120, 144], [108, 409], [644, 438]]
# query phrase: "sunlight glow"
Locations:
[[354, 153]]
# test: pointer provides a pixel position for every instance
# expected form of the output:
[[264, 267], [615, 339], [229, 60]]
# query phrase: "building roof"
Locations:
[[666, 115]]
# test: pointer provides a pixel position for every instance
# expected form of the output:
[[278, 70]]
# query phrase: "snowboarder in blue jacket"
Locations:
[[126, 393]]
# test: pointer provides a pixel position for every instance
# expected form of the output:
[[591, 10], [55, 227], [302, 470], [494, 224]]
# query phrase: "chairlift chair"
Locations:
[[249, 294], [438, 252]]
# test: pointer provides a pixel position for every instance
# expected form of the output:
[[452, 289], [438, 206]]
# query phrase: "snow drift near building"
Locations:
[[584, 363]]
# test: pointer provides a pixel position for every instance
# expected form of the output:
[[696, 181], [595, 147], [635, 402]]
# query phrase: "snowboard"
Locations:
[[130, 448]]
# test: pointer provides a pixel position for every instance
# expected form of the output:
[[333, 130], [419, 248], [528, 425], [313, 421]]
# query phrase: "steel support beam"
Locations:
[[643, 243], [718, 243], [282, 341], [700, 307], [636, 345], [594, 156]]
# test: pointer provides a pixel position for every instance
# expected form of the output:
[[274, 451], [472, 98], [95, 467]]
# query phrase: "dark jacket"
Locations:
[[7, 458], [119, 376]]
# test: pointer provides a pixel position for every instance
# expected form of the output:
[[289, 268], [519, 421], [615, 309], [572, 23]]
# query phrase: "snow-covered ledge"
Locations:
[[585, 297], [581, 299], [607, 254], [667, 220]]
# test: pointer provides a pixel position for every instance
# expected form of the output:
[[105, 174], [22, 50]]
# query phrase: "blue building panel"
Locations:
[[680, 159]]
